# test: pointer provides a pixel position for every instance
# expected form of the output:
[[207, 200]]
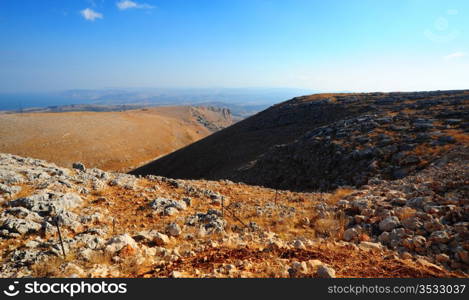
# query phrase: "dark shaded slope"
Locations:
[[220, 155]]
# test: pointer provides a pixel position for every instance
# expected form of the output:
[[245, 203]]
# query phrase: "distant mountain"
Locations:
[[241, 101]]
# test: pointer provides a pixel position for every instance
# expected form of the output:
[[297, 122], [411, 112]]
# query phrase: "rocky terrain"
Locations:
[[81, 222], [336, 185], [113, 141]]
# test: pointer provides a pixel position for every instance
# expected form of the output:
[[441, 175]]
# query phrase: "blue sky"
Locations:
[[335, 45]]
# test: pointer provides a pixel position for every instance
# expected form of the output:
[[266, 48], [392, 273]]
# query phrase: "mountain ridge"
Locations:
[[251, 150]]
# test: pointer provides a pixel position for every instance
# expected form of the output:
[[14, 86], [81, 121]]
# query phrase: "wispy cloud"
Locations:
[[455, 55], [90, 14], [127, 4]]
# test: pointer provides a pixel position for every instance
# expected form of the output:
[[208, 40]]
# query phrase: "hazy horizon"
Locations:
[[405, 45], [151, 97]]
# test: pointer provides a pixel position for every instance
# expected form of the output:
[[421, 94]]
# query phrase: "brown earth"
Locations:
[[115, 141]]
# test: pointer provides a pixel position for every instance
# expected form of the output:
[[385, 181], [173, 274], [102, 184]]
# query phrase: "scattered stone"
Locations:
[[439, 237], [79, 166], [325, 272], [463, 255], [187, 200], [350, 234], [389, 223], [177, 274], [21, 226], [370, 246], [118, 242], [9, 190], [45, 203], [167, 207], [211, 222], [299, 267], [173, 229], [442, 258], [299, 245], [384, 237], [160, 239]]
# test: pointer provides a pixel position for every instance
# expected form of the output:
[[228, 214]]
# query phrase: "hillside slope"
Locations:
[[323, 141], [118, 225], [108, 140]]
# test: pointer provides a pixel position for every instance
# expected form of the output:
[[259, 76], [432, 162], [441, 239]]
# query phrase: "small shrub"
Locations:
[[332, 227]]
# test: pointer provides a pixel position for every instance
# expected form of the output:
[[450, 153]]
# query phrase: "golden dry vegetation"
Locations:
[[117, 141]]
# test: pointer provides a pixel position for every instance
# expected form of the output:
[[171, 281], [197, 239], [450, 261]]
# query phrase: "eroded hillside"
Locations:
[[117, 141]]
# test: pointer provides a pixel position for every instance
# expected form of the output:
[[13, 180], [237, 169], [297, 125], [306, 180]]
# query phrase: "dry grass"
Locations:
[[133, 266], [117, 141], [26, 190], [338, 195], [408, 110], [459, 135], [425, 150], [330, 227], [405, 213], [363, 237], [51, 267], [47, 268]]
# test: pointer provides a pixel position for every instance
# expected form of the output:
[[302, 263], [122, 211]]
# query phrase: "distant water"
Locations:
[[23, 101], [241, 96]]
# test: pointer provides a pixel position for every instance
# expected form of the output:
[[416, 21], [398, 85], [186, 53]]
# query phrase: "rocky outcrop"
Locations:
[[212, 118], [424, 214]]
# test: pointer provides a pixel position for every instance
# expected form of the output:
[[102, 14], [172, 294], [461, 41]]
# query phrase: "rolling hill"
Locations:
[[116, 141]]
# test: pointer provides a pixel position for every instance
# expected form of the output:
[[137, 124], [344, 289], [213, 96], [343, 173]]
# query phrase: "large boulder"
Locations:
[[21, 226], [350, 234], [173, 229], [325, 272], [212, 221], [44, 203], [79, 166], [9, 189], [167, 207]]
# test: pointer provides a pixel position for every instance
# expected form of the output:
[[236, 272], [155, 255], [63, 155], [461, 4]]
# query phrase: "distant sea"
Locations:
[[157, 96], [23, 101]]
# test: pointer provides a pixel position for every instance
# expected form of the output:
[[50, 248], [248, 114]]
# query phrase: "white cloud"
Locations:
[[455, 55], [90, 14], [127, 4]]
